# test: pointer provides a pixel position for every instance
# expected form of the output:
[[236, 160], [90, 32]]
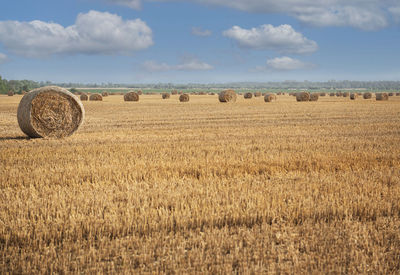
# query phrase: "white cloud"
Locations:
[[187, 64], [200, 32], [283, 39], [133, 4], [93, 33], [286, 63], [283, 63], [3, 58], [362, 14], [395, 11]]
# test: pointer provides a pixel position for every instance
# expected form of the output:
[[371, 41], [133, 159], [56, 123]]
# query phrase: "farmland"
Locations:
[[159, 186]]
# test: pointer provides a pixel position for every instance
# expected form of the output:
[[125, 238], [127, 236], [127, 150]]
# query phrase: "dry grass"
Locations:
[[226, 188]]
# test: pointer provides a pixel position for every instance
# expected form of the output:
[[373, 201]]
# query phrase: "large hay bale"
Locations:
[[95, 97], [314, 96], [248, 95], [131, 96], [166, 95], [257, 94], [84, 97], [269, 97], [105, 94], [367, 95], [50, 112], [353, 96], [10, 93], [382, 96], [227, 96], [303, 96], [184, 98]]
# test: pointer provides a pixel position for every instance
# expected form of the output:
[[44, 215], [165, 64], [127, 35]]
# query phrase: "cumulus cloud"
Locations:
[[200, 32], [395, 11], [3, 58], [283, 63], [187, 64], [362, 14], [283, 39], [93, 33]]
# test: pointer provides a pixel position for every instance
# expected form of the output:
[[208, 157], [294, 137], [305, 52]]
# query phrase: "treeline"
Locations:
[[18, 86]]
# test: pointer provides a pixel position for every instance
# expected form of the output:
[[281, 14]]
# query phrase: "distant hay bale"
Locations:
[[353, 96], [248, 95], [10, 93], [50, 112], [367, 95], [95, 97], [139, 92], [322, 94], [257, 94], [84, 97], [332, 94], [269, 97], [303, 96], [165, 95], [397, 94], [346, 94], [212, 93], [339, 94], [105, 94], [314, 96], [391, 94], [227, 96], [184, 98], [174, 92], [382, 96], [131, 96]]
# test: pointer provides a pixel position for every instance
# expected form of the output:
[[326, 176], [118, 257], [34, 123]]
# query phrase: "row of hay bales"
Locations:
[[306, 96]]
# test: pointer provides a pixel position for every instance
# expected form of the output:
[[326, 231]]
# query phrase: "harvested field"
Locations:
[[208, 188]]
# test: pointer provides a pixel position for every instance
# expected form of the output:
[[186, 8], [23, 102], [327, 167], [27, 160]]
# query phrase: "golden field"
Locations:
[[159, 186]]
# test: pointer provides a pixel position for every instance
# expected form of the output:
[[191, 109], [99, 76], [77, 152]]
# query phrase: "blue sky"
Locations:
[[210, 41]]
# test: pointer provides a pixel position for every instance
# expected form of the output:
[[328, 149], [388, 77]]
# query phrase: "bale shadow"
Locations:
[[15, 138]]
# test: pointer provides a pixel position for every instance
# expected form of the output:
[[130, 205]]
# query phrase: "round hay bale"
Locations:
[[257, 94], [397, 94], [84, 97], [184, 98], [332, 94], [382, 96], [174, 92], [322, 94], [131, 96], [314, 96], [105, 94], [95, 97], [166, 95], [50, 112], [391, 94], [227, 96], [139, 92], [353, 96], [346, 94], [212, 93], [303, 96], [367, 95], [248, 95], [10, 93], [339, 94], [269, 97]]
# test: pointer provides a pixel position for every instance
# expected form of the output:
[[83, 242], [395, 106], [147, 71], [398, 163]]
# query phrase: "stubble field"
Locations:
[[159, 186]]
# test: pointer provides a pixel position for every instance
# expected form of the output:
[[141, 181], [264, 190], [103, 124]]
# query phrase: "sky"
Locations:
[[193, 41]]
